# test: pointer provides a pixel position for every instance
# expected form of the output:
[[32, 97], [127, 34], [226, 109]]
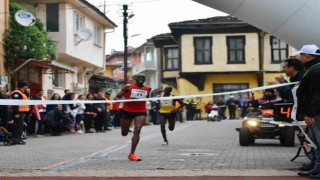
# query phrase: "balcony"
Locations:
[[145, 67]]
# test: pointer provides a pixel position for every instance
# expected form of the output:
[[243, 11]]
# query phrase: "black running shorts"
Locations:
[[131, 115]]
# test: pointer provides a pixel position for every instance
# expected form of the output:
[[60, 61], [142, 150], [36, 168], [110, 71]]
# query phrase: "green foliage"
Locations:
[[26, 42]]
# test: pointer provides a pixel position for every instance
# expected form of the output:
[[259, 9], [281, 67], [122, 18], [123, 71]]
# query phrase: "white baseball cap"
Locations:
[[309, 49]]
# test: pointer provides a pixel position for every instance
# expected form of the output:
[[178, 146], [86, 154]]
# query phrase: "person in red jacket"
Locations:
[[135, 111]]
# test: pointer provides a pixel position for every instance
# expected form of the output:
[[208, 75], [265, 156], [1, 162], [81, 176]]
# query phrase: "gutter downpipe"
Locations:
[[261, 74]]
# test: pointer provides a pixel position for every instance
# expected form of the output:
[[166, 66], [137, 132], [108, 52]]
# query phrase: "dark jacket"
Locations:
[[102, 106], [308, 93], [285, 91]]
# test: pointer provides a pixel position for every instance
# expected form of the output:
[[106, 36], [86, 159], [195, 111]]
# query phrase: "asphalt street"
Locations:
[[196, 150]]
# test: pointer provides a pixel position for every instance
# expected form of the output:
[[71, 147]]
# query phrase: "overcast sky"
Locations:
[[151, 17]]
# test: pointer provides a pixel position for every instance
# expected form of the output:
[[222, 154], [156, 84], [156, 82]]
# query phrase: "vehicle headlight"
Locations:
[[252, 123], [281, 125]]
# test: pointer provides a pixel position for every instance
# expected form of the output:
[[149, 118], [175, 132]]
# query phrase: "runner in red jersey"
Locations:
[[135, 111]]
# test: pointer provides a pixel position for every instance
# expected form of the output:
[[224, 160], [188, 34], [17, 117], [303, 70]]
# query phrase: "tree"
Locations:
[[30, 42]]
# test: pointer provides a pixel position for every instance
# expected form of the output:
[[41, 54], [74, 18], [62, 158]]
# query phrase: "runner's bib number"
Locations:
[[138, 94], [166, 103]]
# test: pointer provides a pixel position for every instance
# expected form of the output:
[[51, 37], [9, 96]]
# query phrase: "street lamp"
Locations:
[[125, 37]]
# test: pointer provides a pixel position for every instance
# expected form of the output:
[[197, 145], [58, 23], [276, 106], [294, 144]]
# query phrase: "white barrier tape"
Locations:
[[35, 102]]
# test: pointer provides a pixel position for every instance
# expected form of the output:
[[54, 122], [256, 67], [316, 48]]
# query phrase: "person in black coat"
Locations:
[[4, 109], [308, 96], [89, 114]]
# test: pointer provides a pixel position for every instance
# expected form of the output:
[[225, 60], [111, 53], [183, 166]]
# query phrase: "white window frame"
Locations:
[[78, 22], [60, 81], [97, 38]]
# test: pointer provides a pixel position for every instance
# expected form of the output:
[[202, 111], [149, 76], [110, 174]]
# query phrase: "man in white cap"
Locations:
[[308, 96], [232, 105]]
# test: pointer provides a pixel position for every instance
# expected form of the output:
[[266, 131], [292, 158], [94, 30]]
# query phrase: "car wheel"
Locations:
[[244, 136], [289, 136], [251, 139]]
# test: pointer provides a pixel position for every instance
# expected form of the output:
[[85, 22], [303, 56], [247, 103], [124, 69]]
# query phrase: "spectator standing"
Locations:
[[179, 110], [4, 109], [154, 112], [244, 106], [101, 109], [199, 106], [41, 108], [19, 111], [222, 108], [109, 119], [294, 69], [116, 114], [190, 109], [232, 106], [308, 96]]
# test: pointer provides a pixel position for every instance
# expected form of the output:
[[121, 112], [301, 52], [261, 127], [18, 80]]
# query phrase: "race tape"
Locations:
[[35, 102]]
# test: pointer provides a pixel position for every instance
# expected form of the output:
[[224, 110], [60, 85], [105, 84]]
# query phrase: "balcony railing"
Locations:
[[145, 66]]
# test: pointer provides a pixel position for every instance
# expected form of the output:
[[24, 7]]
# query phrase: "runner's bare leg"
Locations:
[[138, 123], [125, 126]]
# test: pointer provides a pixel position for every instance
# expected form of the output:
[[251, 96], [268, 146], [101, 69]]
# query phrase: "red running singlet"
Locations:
[[136, 93]]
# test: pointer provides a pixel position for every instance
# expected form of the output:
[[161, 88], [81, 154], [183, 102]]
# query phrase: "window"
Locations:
[[78, 23], [172, 59], [236, 52], [57, 78], [52, 17], [80, 77], [30, 74], [97, 35], [279, 50], [219, 88], [203, 50]]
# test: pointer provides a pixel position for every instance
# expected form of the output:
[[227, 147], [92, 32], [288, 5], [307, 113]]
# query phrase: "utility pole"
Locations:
[[125, 37]]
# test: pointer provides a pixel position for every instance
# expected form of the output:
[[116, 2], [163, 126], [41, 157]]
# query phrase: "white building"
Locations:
[[75, 56]]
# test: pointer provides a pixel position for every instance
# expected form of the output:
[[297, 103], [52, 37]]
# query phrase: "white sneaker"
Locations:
[[165, 143], [80, 132]]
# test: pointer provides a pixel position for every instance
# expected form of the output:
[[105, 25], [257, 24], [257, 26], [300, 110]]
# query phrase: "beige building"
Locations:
[[4, 21], [75, 56], [219, 54]]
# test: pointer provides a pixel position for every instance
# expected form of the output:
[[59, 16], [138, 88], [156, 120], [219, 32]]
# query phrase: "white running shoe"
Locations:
[[165, 143]]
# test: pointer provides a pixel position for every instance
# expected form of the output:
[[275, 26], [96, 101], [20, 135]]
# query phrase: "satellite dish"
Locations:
[[25, 18], [85, 34]]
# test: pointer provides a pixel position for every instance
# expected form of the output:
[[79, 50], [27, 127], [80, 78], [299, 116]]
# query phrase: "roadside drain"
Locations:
[[198, 154]]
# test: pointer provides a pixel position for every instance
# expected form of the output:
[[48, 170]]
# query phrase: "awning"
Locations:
[[45, 64], [58, 64]]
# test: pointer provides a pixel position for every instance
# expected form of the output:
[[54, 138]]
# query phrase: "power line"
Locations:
[[99, 6]]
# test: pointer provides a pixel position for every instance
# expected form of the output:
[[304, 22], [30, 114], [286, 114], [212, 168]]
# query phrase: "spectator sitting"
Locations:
[[58, 121]]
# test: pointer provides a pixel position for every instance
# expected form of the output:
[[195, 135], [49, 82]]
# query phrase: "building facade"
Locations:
[[65, 21], [148, 65], [4, 20], [218, 54]]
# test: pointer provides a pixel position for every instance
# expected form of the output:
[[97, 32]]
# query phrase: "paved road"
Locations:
[[196, 149]]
